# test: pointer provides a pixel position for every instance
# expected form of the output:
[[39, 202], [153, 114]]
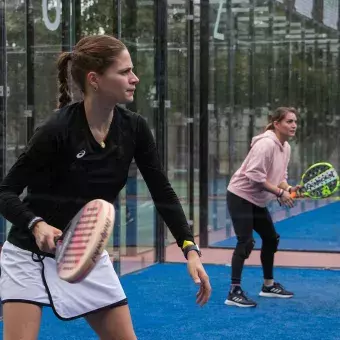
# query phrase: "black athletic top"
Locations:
[[63, 167]]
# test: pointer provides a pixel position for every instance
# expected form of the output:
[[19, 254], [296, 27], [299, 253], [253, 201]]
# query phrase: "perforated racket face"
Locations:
[[320, 181], [84, 240]]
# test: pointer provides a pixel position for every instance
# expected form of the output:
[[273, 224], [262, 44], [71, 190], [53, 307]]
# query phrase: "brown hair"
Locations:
[[92, 53], [279, 114]]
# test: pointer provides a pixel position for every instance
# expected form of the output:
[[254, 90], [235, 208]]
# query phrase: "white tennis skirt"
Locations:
[[26, 279]]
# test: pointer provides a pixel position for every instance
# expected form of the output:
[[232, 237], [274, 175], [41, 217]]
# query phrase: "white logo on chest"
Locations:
[[81, 154]]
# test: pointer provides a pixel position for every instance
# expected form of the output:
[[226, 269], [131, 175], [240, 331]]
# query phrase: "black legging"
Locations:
[[247, 217]]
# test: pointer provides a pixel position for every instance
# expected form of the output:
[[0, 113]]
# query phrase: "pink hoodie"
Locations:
[[267, 160]]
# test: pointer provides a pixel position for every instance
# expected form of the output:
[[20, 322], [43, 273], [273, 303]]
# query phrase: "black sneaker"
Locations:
[[238, 298], [276, 290]]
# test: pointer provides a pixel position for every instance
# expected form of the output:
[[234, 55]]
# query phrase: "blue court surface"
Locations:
[[315, 230], [162, 305]]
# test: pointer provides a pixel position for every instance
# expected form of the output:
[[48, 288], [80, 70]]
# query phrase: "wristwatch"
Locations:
[[188, 246]]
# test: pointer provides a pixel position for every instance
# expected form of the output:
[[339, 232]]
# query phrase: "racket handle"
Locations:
[[56, 239], [298, 193]]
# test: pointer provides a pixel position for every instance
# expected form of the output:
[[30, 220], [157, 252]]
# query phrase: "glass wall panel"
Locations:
[[138, 211], [222, 53], [265, 54], [177, 105], [261, 54], [133, 237], [36, 33]]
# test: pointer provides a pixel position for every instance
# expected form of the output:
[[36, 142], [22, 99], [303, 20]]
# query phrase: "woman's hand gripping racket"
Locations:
[[319, 181], [84, 239]]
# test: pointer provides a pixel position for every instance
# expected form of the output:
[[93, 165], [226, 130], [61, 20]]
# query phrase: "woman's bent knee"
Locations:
[[244, 248]]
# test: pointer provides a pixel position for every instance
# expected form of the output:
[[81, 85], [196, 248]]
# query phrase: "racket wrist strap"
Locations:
[[33, 222]]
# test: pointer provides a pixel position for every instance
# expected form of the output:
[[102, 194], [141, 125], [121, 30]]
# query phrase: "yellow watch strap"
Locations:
[[187, 243]]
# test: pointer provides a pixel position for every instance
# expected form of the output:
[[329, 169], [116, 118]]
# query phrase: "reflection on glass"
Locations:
[[266, 54], [177, 127], [138, 212], [16, 81]]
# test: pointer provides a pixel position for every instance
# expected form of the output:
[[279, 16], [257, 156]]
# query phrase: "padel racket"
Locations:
[[83, 240], [319, 181]]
